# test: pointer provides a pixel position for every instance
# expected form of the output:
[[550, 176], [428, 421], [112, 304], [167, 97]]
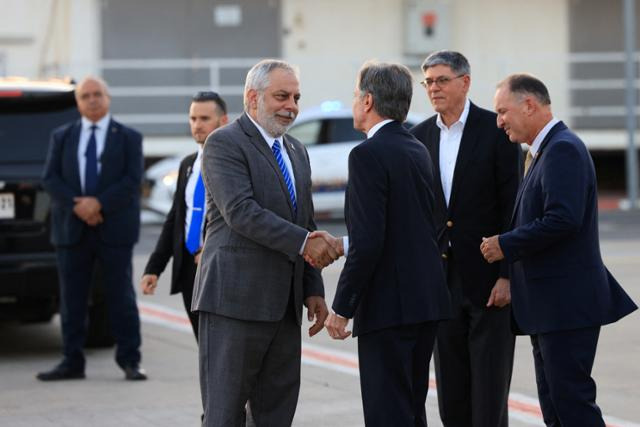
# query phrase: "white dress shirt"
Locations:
[[450, 138], [535, 146], [102, 126], [188, 196]]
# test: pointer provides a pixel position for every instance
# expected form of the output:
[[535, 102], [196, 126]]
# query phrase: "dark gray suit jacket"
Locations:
[[250, 259]]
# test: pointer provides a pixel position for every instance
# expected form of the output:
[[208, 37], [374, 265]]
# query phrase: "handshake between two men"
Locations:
[[321, 249]]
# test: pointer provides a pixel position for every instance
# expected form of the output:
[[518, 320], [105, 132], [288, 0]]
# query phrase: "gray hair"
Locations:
[[96, 79], [391, 87], [258, 76], [526, 84], [454, 60]]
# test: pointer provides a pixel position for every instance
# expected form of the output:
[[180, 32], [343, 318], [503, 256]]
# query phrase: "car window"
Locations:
[[308, 133], [341, 130], [24, 136]]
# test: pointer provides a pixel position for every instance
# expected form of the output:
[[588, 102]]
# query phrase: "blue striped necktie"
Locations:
[[91, 165], [195, 227], [285, 173]]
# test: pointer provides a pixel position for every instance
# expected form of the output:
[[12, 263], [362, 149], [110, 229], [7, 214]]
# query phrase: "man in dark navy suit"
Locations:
[[393, 283], [561, 291], [93, 173], [183, 229]]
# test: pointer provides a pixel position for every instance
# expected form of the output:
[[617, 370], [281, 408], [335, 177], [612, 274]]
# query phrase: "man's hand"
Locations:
[[335, 242], [148, 283], [337, 327], [500, 294], [316, 309], [88, 209], [490, 248], [318, 251], [95, 220]]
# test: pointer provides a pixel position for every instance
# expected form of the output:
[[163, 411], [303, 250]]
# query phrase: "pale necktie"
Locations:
[[527, 162]]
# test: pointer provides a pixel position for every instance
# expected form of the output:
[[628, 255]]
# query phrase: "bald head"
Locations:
[[92, 97]]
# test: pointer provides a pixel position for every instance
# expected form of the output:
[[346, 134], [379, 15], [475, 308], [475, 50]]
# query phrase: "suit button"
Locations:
[[449, 224], [444, 256]]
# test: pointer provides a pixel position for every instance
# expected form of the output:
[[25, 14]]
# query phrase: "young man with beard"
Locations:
[[183, 230]]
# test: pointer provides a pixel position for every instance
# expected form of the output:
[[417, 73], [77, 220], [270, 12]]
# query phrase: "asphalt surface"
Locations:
[[329, 394]]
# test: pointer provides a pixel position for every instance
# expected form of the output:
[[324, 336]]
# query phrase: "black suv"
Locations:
[[29, 111]]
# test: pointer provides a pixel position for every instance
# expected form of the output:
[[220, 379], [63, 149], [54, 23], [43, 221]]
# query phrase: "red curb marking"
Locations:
[[178, 318]]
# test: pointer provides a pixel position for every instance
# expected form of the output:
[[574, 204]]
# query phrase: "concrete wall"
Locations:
[[332, 38], [42, 38]]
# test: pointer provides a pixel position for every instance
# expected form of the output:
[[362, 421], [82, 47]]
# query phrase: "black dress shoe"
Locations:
[[134, 373], [61, 372]]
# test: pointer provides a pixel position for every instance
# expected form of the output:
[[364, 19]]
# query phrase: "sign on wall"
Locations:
[[428, 26]]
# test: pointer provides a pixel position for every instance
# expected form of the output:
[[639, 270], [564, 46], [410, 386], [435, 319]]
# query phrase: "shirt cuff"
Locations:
[[339, 315], [303, 244], [345, 245]]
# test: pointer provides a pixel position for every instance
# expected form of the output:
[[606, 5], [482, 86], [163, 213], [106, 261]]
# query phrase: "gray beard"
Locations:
[[269, 122]]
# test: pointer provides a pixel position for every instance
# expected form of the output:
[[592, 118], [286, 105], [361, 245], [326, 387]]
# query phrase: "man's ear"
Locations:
[[224, 120], [252, 97], [367, 102], [530, 105]]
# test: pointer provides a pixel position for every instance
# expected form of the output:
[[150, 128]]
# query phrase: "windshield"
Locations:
[[24, 136]]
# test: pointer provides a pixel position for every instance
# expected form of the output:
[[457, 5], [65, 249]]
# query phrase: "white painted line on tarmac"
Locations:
[[523, 408]]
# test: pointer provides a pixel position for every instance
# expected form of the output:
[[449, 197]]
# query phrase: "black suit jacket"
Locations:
[[485, 182], [118, 185], [558, 279], [171, 242], [393, 272]]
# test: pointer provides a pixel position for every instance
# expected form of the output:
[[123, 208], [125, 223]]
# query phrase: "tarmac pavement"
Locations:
[[330, 392]]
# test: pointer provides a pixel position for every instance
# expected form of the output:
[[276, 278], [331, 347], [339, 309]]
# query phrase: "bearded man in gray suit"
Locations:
[[252, 279]]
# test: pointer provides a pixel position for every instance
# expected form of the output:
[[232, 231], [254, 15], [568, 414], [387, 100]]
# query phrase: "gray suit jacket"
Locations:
[[250, 258]]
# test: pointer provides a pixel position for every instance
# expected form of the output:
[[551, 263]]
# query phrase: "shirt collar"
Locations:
[[377, 127], [100, 124], [462, 119], [267, 137], [535, 146]]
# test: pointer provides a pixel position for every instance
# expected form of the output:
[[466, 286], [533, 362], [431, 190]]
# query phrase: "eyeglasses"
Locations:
[[441, 81]]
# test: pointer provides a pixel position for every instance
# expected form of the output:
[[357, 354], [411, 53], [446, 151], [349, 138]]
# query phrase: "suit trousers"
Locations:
[[75, 268], [473, 360], [249, 361], [186, 279], [563, 362], [394, 374]]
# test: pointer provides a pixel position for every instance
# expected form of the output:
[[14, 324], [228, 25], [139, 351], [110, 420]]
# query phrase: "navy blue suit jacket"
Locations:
[[118, 185], [393, 273], [558, 279]]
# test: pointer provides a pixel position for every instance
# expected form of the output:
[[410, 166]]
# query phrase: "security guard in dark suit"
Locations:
[[182, 232]]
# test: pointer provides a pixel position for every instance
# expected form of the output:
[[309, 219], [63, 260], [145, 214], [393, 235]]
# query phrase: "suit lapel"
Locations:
[[523, 185], [75, 142], [433, 145], [468, 143], [297, 164], [261, 145], [110, 143]]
